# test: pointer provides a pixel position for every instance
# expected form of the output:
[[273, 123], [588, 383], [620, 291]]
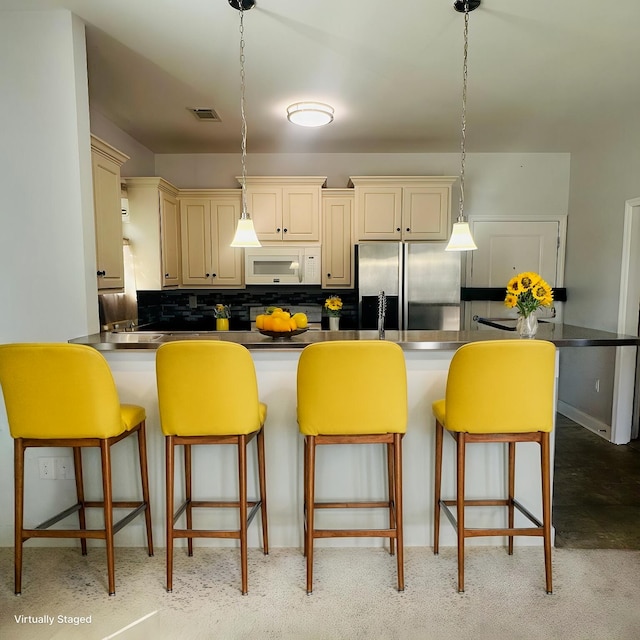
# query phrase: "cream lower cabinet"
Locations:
[[208, 222], [154, 233], [402, 207], [337, 239], [105, 169], [285, 208]]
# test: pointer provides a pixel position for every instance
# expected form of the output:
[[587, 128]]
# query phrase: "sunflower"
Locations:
[[333, 305], [511, 300], [542, 291], [528, 291]]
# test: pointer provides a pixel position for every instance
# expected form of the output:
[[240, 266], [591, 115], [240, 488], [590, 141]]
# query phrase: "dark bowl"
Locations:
[[281, 334]]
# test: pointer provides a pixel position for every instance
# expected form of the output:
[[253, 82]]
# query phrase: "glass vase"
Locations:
[[222, 324], [334, 323], [527, 326]]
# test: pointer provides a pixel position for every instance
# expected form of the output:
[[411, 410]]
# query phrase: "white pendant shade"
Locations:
[[245, 234], [461, 238], [310, 114]]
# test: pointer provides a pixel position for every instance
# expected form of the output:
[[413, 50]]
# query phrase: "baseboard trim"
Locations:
[[585, 420]]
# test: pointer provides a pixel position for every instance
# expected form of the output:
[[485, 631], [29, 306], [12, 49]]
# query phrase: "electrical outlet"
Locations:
[[193, 302], [63, 468], [597, 385], [47, 468]]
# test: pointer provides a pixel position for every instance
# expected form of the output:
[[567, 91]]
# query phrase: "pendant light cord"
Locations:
[[464, 110], [243, 144]]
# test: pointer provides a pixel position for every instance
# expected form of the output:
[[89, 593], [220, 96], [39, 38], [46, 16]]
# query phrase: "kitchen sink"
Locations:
[[188, 335], [136, 337]]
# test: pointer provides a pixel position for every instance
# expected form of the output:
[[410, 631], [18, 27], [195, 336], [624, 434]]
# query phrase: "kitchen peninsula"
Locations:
[[131, 356]]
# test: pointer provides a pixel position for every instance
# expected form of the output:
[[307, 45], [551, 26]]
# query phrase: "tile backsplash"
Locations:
[[197, 305]]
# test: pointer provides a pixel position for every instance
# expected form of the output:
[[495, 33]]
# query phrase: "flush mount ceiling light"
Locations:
[[245, 235], [461, 238], [310, 114]]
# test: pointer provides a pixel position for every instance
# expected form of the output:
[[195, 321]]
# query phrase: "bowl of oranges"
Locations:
[[279, 323]]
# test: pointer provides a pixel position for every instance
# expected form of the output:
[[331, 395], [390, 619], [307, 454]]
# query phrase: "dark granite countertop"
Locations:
[[561, 335]]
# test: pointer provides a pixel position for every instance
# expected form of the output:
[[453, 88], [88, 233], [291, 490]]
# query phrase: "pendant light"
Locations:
[[245, 235], [461, 239]]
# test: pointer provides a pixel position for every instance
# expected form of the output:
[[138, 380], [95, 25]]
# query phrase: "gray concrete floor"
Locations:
[[596, 490]]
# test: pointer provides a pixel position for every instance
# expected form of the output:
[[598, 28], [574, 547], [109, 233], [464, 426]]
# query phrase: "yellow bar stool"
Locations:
[[208, 394], [353, 392], [63, 395], [497, 391]]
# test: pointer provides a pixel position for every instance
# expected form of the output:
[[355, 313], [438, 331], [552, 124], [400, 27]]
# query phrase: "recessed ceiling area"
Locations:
[[542, 73]]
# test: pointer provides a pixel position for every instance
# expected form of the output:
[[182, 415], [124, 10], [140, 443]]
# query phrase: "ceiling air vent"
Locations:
[[206, 115]]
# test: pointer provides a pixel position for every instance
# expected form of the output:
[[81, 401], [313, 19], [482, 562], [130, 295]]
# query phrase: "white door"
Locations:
[[507, 247]]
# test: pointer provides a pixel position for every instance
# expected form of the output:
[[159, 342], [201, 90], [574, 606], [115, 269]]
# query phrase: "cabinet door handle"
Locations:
[[397, 228], [408, 229], [166, 275], [101, 273], [285, 230], [206, 275], [328, 275], [213, 275], [278, 229]]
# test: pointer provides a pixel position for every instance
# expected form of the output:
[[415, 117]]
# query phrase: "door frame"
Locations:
[[626, 394]]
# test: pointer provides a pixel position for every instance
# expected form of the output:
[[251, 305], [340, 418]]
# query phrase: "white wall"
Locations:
[[605, 172], [496, 183], [47, 242], [141, 160]]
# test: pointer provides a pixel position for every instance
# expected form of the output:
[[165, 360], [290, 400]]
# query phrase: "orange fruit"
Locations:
[[301, 320], [280, 324]]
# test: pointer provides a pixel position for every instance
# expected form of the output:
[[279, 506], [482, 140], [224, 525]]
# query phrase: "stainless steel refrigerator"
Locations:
[[421, 282]]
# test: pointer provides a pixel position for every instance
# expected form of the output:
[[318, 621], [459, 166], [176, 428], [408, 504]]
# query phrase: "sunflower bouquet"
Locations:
[[528, 291], [222, 311], [333, 305]]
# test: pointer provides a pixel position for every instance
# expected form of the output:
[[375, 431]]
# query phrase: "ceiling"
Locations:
[[542, 73]]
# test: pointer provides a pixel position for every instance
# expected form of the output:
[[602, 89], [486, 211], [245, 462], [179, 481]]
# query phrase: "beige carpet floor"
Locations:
[[596, 596]]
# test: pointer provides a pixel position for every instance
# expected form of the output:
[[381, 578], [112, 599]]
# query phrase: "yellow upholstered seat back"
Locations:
[[207, 388], [352, 387], [56, 390], [500, 386]]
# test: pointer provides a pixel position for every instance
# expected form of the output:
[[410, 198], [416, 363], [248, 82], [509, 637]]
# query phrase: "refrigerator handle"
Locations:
[[403, 307]]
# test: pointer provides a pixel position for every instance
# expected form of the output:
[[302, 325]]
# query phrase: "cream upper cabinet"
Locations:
[[337, 238], [105, 168], [154, 232], [285, 208], [208, 220], [402, 207]]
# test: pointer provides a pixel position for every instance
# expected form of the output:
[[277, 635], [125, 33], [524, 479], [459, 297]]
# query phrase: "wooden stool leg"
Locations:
[[304, 494], [105, 455], [242, 478], [546, 508], [188, 487], [437, 489], [460, 464], [77, 466], [512, 483], [263, 490], [144, 476], [169, 461], [392, 492], [18, 470], [397, 465], [310, 444]]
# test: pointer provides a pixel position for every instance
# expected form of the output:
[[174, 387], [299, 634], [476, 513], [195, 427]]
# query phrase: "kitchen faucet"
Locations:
[[382, 312]]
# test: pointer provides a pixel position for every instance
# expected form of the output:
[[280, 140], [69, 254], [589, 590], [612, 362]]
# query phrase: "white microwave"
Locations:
[[282, 265]]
